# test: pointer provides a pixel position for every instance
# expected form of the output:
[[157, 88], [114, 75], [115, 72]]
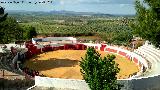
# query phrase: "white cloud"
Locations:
[[62, 2], [125, 5], [122, 5]]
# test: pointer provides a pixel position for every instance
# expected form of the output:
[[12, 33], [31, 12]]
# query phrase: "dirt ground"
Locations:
[[10, 75], [65, 64]]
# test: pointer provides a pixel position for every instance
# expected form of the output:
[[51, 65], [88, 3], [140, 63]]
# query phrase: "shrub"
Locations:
[[99, 73]]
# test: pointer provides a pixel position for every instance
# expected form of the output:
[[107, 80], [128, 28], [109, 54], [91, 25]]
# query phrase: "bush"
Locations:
[[99, 73]]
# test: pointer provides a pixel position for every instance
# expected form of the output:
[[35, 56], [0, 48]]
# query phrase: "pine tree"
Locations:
[[99, 73], [147, 24]]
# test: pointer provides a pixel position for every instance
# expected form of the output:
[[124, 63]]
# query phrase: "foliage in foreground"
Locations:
[[147, 23], [30, 32], [10, 31], [99, 73]]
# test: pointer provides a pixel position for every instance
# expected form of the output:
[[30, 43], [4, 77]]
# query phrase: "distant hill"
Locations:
[[63, 12]]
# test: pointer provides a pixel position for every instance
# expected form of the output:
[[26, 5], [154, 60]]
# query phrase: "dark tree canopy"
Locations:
[[1, 10], [3, 16], [147, 24], [99, 73], [10, 31], [31, 32]]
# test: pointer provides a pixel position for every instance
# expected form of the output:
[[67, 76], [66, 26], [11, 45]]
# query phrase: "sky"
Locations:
[[98, 6]]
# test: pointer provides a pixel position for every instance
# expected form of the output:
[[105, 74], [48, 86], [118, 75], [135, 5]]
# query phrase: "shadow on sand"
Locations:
[[52, 63]]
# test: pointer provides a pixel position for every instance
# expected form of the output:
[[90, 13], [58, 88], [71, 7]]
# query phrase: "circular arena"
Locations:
[[53, 52], [65, 64]]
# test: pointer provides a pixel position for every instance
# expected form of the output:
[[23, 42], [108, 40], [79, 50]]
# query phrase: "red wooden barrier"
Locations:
[[135, 60], [50, 48], [102, 48], [38, 51], [53, 48], [44, 49], [102, 45], [128, 57], [66, 47], [108, 49], [28, 54], [69, 46], [111, 50], [96, 47], [78, 46], [84, 47], [122, 53], [61, 47]]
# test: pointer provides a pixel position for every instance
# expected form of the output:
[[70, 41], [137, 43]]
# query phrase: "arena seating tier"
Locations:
[[151, 54]]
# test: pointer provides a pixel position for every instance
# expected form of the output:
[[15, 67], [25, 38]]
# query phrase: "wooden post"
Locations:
[[3, 73]]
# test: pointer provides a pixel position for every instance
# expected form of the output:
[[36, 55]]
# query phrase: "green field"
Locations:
[[109, 28]]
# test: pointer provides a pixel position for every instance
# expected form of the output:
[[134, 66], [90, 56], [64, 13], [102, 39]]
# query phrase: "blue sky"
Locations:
[[101, 6]]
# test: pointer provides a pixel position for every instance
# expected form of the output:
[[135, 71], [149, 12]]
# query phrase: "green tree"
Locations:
[[99, 73], [147, 24], [31, 32], [3, 15], [122, 38], [10, 31]]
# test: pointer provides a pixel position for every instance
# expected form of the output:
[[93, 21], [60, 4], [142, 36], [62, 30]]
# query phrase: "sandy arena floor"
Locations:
[[65, 64]]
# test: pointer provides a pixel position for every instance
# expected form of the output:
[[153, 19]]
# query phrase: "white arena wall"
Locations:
[[149, 83], [61, 83], [55, 39]]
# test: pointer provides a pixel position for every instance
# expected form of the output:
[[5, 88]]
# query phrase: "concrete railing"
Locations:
[[61, 83], [149, 83]]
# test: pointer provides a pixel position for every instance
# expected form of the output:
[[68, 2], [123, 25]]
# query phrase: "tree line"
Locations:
[[11, 31], [116, 31]]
